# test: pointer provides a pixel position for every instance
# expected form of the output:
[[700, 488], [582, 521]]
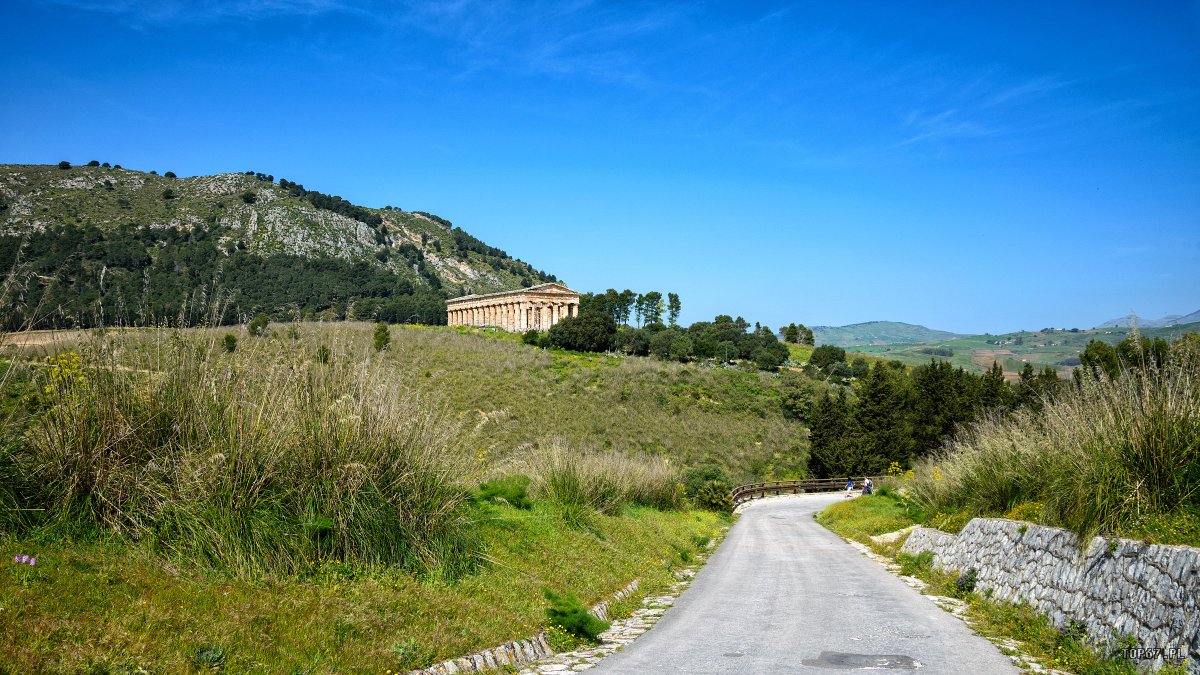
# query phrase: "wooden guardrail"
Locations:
[[744, 493]]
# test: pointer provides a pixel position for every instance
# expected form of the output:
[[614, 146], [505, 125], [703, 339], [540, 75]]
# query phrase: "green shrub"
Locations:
[[512, 489], [696, 477], [411, 654], [382, 337], [919, 565], [530, 337], [965, 583], [208, 658], [567, 612], [714, 496], [258, 325], [229, 343]]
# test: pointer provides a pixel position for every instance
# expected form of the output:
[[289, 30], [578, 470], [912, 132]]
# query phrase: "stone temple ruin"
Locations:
[[534, 308]]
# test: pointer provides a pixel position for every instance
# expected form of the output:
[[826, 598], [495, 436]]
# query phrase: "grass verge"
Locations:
[[108, 607]]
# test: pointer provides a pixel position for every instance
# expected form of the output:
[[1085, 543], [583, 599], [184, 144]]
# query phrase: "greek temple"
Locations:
[[537, 308]]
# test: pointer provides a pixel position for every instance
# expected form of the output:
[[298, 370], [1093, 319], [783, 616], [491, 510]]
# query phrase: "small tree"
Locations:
[[229, 342], [64, 164], [258, 325], [168, 194], [827, 355], [249, 197], [382, 337], [94, 162], [169, 174], [673, 309]]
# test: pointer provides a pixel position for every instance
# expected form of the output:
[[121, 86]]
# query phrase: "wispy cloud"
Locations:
[[942, 126], [582, 38], [159, 12]]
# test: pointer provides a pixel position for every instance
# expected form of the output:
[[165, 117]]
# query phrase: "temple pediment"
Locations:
[[552, 288]]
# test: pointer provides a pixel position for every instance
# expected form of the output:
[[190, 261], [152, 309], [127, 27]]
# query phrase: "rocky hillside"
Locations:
[[98, 244]]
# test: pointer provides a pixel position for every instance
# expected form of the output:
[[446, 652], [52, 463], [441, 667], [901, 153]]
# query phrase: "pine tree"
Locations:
[[884, 428]]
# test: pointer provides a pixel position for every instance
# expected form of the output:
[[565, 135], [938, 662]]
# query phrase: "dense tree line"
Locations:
[[67, 276], [722, 339], [893, 414]]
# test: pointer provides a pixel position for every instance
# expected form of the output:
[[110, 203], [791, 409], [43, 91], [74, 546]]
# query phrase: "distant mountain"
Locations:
[[99, 245], [878, 333], [1169, 320]]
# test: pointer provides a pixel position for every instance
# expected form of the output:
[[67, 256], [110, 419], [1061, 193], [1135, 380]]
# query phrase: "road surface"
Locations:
[[784, 595]]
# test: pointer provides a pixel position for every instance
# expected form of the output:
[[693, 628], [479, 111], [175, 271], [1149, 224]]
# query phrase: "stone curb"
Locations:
[[515, 652], [623, 631]]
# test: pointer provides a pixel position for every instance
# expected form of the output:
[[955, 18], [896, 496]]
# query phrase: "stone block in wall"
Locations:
[[1113, 587]]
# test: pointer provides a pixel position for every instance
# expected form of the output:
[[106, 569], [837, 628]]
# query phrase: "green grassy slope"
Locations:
[[876, 333], [100, 600], [511, 395], [100, 608]]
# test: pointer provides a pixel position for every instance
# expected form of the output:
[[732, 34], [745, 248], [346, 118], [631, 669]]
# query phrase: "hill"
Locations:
[[99, 245], [877, 333], [1057, 348], [1169, 320]]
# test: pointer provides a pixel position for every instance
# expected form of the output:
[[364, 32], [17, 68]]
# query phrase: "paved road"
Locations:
[[784, 595]]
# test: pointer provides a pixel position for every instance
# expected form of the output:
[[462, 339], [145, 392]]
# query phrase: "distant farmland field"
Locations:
[[1057, 348]]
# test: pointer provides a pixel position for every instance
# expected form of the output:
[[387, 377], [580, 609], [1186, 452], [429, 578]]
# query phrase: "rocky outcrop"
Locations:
[[1113, 587]]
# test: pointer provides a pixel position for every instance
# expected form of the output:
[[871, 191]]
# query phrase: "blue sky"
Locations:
[[969, 168]]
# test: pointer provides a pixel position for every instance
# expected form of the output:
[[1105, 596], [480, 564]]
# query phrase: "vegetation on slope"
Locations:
[[514, 397], [98, 245], [1116, 453], [104, 607], [201, 493]]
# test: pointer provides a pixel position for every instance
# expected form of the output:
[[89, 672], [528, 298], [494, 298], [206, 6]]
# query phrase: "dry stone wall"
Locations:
[[1114, 587]]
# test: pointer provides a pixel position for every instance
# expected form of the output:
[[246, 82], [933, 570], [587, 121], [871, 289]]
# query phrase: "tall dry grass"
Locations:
[[600, 481], [259, 461], [1103, 457]]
